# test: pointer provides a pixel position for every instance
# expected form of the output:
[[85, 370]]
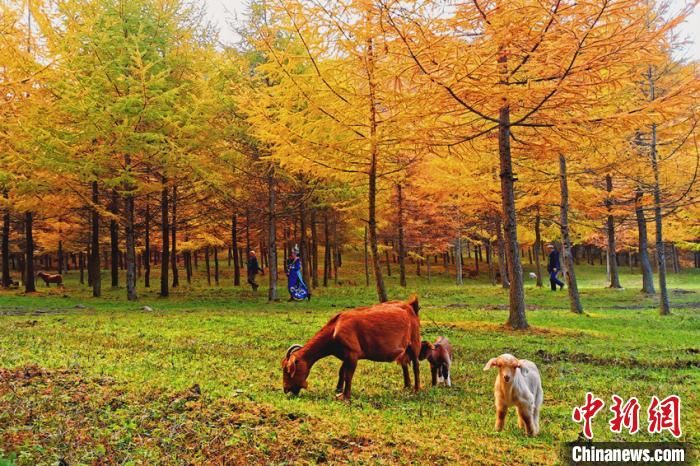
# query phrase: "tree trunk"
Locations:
[[165, 235], [81, 265], [114, 238], [6, 279], [372, 194], [458, 258], [303, 249], [29, 284], [645, 263], [502, 266], [272, 233], [95, 249], [402, 245], [173, 254], [664, 304], [247, 232], [612, 254], [516, 317], [216, 265], [60, 261], [206, 264], [234, 251], [314, 250], [366, 259], [327, 249], [147, 246], [130, 258], [538, 246], [387, 259], [489, 261], [570, 275]]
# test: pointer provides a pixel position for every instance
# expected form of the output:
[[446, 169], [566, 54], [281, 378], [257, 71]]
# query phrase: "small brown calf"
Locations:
[[439, 355]]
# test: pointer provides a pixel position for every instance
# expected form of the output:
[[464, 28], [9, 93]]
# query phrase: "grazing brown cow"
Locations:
[[387, 332], [51, 278]]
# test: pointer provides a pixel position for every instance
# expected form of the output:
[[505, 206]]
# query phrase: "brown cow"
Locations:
[[387, 332], [51, 278]]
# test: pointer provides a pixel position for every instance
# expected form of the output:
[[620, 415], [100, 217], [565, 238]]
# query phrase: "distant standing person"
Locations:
[[253, 269], [553, 267], [295, 283]]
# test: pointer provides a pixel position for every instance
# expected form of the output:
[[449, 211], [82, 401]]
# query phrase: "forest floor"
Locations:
[[197, 380]]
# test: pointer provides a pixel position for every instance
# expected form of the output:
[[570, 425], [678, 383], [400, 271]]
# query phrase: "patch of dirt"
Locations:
[[682, 291], [585, 358], [478, 326]]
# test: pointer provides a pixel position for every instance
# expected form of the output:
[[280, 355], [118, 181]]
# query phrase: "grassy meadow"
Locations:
[[197, 380]]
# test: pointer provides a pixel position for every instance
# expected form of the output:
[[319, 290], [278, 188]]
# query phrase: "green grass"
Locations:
[[101, 380]]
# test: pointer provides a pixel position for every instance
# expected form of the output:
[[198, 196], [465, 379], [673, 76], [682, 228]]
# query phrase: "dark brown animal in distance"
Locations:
[[51, 278], [386, 332]]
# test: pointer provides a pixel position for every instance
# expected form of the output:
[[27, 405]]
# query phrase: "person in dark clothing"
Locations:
[[253, 269], [553, 267]]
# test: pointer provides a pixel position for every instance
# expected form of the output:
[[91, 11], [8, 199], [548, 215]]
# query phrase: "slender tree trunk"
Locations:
[[647, 272], [366, 259], [147, 246], [216, 265], [303, 249], [247, 232], [188, 266], [612, 254], [114, 238], [314, 250], [570, 275], [165, 235], [402, 244], [29, 284], [502, 266], [6, 279], [458, 258], [130, 258], [537, 247], [234, 251], [335, 250], [374, 154], [81, 265], [173, 254], [387, 259], [206, 264], [327, 250], [664, 304], [272, 232], [95, 249], [516, 318], [489, 261]]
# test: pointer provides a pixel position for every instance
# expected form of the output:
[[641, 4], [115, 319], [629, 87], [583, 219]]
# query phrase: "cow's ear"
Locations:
[[292, 365], [413, 302], [493, 362]]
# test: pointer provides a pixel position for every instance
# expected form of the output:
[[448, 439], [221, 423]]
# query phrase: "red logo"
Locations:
[[587, 412]]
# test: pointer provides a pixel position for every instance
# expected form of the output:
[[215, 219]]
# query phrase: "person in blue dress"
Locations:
[[295, 283]]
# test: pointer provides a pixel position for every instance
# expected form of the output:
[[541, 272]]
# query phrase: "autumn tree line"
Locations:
[[427, 134]]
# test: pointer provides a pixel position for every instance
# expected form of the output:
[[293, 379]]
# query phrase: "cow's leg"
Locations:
[[406, 377], [341, 379], [350, 366], [416, 370]]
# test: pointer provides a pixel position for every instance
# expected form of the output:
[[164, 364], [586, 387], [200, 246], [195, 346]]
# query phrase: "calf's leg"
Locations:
[[501, 412], [525, 413], [433, 374]]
